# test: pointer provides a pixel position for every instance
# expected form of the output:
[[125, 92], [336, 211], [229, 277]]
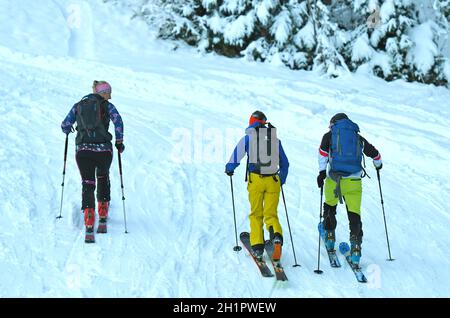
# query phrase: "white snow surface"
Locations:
[[179, 212]]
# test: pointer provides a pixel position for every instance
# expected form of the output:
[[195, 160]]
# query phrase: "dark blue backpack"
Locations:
[[346, 151]]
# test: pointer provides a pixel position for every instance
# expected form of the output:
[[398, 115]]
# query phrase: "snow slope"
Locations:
[[183, 114]]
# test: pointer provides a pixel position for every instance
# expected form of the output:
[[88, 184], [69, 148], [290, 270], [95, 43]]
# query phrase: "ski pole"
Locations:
[[64, 175], [123, 195], [384, 216], [237, 248], [318, 271], [289, 226]]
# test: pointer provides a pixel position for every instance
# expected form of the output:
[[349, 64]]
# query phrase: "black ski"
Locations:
[[278, 268], [262, 266]]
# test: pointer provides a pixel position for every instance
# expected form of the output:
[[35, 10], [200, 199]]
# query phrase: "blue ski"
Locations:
[[344, 248], [334, 260]]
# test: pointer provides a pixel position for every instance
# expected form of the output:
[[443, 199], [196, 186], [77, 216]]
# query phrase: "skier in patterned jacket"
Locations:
[[342, 149], [94, 150]]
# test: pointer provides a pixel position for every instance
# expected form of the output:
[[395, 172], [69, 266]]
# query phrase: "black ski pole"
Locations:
[[384, 216], [289, 226], [237, 248], [64, 176], [123, 195], [318, 270]]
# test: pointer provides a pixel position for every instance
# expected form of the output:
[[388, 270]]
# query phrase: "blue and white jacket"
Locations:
[[242, 149], [114, 116]]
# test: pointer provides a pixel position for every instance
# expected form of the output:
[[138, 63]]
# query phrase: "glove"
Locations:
[[120, 146], [229, 173], [321, 177], [67, 130]]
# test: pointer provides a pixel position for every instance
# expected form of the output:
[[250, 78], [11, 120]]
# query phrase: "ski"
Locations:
[[332, 256], [262, 266], [277, 267], [89, 238], [344, 248]]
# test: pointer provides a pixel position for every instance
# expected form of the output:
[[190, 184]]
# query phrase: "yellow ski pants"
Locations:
[[264, 195], [351, 190]]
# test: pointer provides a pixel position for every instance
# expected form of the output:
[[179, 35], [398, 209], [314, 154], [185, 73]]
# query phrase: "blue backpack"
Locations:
[[346, 151]]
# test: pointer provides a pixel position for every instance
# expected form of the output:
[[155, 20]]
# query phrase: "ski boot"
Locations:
[[277, 240], [277, 247], [258, 252], [355, 251], [330, 240], [103, 214], [89, 221]]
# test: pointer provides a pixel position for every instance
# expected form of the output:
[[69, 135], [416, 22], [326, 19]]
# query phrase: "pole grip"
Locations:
[[66, 146], [120, 162]]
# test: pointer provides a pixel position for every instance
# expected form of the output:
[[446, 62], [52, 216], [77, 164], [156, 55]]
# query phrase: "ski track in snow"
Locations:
[[179, 215]]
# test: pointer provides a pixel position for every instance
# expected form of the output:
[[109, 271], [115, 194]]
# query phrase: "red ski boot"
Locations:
[[103, 214], [89, 221]]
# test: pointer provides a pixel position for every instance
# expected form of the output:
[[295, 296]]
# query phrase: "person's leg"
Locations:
[[86, 165], [104, 160], [271, 201], [352, 193], [255, 196], [329, 213]]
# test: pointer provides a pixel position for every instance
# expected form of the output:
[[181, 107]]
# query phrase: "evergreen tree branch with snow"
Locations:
[[393, 39]]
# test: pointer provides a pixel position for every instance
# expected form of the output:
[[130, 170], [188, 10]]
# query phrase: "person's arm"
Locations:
[[284, 165], [117, 121], [324, 151], [372, 152], [238, 153], [66, 125]]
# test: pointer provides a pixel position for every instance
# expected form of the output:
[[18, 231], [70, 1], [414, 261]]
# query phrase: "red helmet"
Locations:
[[257, 117]]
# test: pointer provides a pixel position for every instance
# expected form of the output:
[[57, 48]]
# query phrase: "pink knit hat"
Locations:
[[103, 88]]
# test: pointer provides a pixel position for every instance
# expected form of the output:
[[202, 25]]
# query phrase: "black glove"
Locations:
[[321, 177], [229, 173], [120, 146]]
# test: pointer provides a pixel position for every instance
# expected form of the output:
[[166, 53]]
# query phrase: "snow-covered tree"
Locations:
[[287, 37], [392, 38], [424, 58], [365, 18], [330, 42], [443, 9], [278, 31]]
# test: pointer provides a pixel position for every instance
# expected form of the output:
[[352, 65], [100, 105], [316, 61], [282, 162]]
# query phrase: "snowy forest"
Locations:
[[393, 39]]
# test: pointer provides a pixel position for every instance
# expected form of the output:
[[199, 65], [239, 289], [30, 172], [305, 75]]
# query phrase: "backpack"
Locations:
[[263, 155], [346, 151], [92, 120]]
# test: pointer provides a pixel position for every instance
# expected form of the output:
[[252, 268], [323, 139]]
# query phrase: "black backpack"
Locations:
[[92, 120]]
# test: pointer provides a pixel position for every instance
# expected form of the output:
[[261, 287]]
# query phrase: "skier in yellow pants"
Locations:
[[263, 195], [267, 171]]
